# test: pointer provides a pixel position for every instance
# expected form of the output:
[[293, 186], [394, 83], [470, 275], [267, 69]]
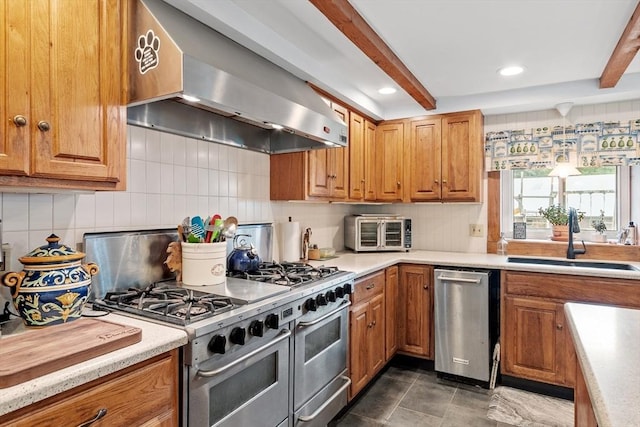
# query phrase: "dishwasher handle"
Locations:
[[460, 279]]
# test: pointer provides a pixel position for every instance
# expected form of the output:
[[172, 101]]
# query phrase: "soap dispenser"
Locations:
[[502, 245]]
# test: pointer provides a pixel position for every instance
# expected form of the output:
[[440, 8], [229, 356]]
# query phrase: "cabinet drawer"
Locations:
[[145, 396], [368, 287], [565, 287]]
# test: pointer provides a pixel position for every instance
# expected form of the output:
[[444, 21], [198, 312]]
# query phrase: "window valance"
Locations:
[[583, 145]]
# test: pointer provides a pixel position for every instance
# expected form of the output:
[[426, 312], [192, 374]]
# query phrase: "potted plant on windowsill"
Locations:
[[558, 216], [600, 227]]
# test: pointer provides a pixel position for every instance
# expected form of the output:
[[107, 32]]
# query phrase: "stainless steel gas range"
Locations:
[[269, 349]]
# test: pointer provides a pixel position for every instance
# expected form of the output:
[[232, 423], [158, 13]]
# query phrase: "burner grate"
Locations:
[[287, 273]]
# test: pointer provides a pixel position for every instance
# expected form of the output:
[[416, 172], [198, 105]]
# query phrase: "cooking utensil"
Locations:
[[197, 228], [244, 257], [229, 228]]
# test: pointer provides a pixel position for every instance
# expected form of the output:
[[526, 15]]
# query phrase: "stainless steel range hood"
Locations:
[[188, 79]]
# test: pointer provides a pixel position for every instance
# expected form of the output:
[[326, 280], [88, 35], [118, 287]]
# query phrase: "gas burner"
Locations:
[[166, 301], [287, 273]]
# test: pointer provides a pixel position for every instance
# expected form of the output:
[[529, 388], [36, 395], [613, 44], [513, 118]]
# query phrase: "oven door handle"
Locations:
[[308, 418], [284, 334], [345, 304]]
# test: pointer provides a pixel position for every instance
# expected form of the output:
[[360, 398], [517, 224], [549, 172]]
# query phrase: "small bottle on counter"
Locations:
[[632, 236], [502, 245]]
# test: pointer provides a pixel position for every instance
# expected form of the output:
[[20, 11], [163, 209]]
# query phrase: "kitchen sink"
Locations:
[[572, 263]]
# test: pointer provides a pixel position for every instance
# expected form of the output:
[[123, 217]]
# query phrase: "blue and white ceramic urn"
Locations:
[[53, 287]]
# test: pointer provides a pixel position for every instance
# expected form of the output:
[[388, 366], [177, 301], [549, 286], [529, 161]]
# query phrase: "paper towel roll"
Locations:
[[290, 243]]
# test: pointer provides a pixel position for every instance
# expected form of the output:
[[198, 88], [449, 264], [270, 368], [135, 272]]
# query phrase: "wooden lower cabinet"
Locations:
[[366, 331], [415, 310], [534, 341], [145, 394], [391, 311]]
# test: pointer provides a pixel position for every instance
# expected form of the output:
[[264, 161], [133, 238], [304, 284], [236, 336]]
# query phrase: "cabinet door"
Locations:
[[389, 149], [15, 105], [423, 158], [78, 114], [462, 156], [358, 362], [391, 310], [356, 157], [369, 160], [376, 338], [415, 310], [339, 165], [319, 174], [534, 339]]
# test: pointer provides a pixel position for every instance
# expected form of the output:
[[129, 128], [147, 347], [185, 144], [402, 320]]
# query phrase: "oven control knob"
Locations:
[[339, 292], [256, 328], [331, 296], [321, 300], [347, 288], [217, 344], [271, 321], [237, 335], [310, 305]]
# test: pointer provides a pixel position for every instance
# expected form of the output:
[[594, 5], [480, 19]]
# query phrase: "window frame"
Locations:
[[625, 180]]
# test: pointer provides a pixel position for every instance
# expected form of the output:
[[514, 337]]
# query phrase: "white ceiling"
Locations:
[[453, 47]]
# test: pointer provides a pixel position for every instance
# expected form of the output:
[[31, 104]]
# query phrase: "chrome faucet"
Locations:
[[574, 227]]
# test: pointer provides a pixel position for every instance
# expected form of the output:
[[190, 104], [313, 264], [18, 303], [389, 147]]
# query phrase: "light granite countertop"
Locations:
[[365, 263], [607, 342], [156, 339]]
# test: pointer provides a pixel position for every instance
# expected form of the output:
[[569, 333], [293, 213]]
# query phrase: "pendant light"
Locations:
[[564, 168]]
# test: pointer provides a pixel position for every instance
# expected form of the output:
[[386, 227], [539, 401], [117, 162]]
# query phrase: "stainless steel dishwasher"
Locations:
[[466, 322]]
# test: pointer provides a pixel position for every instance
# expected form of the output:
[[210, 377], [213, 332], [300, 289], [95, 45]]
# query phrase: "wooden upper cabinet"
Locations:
[[389, 161], [64, 68], [356, 157], [423, 156], [445, 158], [369, 160], [462, 156]]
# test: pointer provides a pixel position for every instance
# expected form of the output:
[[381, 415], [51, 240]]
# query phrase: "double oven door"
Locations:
[[320, 365], [248, 388]]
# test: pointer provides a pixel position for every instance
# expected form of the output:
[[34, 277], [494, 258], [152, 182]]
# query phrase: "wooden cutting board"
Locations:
[[42, 351]]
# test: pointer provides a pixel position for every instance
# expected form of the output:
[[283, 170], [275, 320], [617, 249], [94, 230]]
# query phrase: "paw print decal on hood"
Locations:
[[147, 52]]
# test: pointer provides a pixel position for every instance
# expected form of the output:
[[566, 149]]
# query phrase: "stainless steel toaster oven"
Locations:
[[370, 233]]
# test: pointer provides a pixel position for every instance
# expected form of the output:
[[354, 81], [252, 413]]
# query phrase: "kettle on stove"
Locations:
[[244, 257]]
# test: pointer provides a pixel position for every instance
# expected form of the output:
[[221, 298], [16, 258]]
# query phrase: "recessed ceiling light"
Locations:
[[512, 70], [387, 90]]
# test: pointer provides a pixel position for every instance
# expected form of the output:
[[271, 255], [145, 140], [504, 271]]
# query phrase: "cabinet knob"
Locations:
[[373, 323], [425, 287], [100, 414], [362, 180], [398, 183], [44, 126], [19, 121], [437, 182], [444, 181], [559, 326]]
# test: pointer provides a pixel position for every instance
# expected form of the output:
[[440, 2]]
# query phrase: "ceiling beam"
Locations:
[[352, 25], [624, 52]]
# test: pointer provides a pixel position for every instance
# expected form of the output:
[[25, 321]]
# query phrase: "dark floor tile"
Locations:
[[431, 399], [473, 400], [353, 420], [381, 399], [457, 416], [402, 373], [403, 417]]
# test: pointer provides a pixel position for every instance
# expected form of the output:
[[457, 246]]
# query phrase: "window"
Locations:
[[596, 190]]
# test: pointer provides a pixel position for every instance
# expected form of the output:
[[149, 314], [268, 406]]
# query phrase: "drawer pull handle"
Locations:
[[20, 121], [371, 286], [102, 412]]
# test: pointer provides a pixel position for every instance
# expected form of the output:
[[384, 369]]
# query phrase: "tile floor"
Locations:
[[407, 396]]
